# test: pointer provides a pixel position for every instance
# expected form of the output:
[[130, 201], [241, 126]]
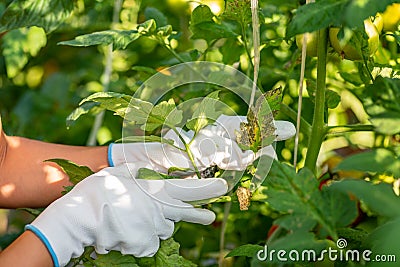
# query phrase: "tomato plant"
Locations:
[[105, 53]]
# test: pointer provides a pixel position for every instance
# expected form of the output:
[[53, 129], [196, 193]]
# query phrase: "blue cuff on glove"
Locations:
[[46, 242], [110, 161]]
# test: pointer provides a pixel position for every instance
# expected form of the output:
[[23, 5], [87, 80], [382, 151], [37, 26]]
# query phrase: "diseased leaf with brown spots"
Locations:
[[259, 130], [244, 196]]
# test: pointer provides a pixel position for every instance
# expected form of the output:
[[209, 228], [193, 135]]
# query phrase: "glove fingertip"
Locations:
[[220, 186], [284, 130], [207, 217]]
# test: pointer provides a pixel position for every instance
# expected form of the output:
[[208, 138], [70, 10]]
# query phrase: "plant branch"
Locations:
[[246, 44], [339, 129], [256, 48], [227, 209], [188, 151], [172, 51], [300, 101], [105, 77], [318, 128]]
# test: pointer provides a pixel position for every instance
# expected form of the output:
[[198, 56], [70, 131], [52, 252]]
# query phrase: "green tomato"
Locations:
[[352, 49], [391, 17], [311, 43]]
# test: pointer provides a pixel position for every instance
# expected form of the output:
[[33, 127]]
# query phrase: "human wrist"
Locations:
[[62, 231], [45, 242]]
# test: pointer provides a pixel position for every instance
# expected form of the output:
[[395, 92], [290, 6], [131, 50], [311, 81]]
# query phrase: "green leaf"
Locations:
[[387, 122], [75, 172], [273, 98], [48, 14], [378, 102], [168, 255], [19, 45], [295, 222], [248, 250], [231, 51], [201, 13], [138, 111], [384, 240], [14, 53], [164, 31], [79, 111], [379, 160], [238, 10], [146, 138], [115, 258], [332, 99], [148, 27], [210, 30], [164, 113], [338, 208], [144, 69], [205, 113], [148, 174], [34, 212], [265, 116], [153, 13], [120, 39], [358, 10], [290, 192], [204, 27], [298, 194], [317, 15], [380, 198], [116, 102]]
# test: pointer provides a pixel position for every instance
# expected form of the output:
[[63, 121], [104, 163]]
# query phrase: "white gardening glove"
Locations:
[[227, 126], [208, 149], [111, 210]]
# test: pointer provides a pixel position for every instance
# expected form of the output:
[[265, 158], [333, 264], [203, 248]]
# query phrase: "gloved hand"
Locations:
[[208, 148], [111, 210], [213, 145]]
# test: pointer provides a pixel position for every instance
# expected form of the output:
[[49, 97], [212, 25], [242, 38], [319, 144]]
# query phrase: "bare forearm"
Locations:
[[27, 250], [27, 181]]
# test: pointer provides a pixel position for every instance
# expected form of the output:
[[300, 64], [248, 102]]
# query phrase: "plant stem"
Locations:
[[246, 44], [172, 51], [300, 101], [106, 77], [227, 210], [256, 48], [339, 129], [188, 152], [318, 128], [367, 69]]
